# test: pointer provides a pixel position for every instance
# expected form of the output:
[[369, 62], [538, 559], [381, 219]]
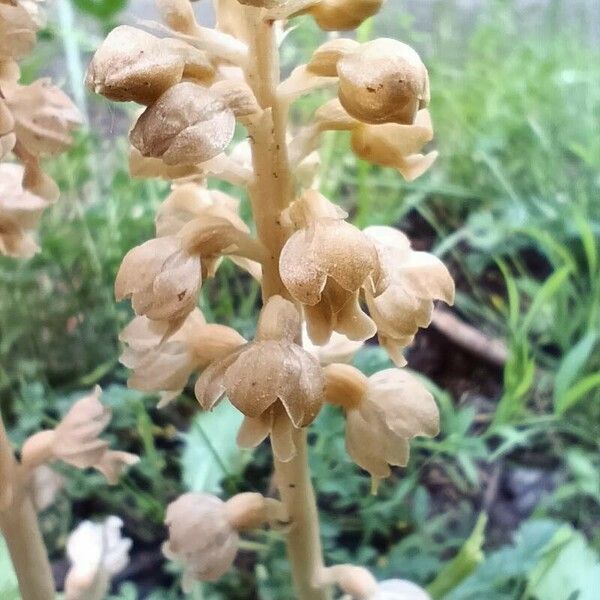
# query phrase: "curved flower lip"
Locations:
[[186, 125], [383, 81]]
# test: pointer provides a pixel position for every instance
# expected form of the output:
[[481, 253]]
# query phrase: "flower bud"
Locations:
[[132, 65], [238, 96], [161, 279], [326, 57], [188, 124], [383, 81], [341, 15]]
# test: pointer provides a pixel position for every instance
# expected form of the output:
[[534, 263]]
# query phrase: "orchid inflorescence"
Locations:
[[320, 274]]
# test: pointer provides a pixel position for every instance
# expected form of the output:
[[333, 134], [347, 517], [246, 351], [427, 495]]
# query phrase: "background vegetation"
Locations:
[[505, 503]]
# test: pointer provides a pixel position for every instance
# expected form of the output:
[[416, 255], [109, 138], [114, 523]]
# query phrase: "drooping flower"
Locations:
[[324, 264], [383, 412], [408, 284], [276, 384], [204, 531], [187, 124], [397, 146], [325, 58], [161, 278], [45, 485], [44, 116], [20, 212], [97, 552], [164, 363], [76, 441], [133, 65], [383, 81], [339, 349], [17, 30]]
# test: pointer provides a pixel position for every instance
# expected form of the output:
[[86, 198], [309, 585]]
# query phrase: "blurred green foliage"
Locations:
[[512, 206]]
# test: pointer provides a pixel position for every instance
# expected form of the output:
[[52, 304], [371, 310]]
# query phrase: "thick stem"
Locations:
[[303, 541], [270, 193], [18, 522]]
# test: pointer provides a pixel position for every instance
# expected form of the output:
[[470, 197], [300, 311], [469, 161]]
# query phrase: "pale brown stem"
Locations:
[[19, 525], [270, 193]]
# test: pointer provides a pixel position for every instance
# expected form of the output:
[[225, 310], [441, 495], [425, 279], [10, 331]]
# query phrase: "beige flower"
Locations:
[[163, 361], [76, 441], [97, 552], [178, 15], [383, 413], [409, 282], [161, 279], [44, 117], [383, 81], [45, 485], [276, 384], [324, 265], [397, 146], [20, 212], [201, 537], [17, 30], [186, 125], [341, 15], [133, 65]]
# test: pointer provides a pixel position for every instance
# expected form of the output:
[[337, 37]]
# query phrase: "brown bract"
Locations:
[[133, 65], [163, 361], [397, 146], [20, 212], [324, 265], [383, 81], [201, 537], [409, 283], [161, 279], [341, 15], [44, 117], [186, 125], [274, 382], [383, 413]]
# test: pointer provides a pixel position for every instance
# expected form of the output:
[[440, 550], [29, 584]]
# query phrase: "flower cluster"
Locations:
[[327, 286], [36, 120]]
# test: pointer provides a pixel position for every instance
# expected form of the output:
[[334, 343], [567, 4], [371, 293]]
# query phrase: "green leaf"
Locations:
[[570, 368], [9, 588], [568, 569], [211, 452], [576, 393], [463, 564]]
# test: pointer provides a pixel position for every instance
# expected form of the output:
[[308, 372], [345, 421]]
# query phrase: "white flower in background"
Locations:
[[97, 552], [399, 589]]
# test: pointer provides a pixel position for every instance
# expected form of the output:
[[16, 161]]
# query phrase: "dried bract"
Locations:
[[274, 382], [188, 124], [383, 413], [409, 283], [383, 81], [324, 265]]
